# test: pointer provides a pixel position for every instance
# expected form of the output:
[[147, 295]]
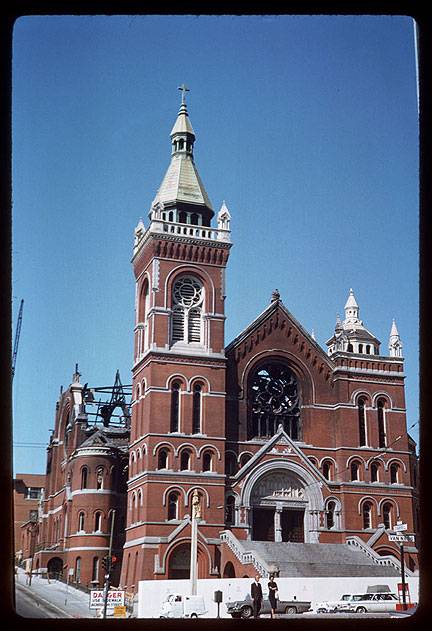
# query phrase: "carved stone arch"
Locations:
[[328, 459], [398, 461], [161, 444], [388, 500], [375, 459], [355, 458], [202, 275], [171, 489], [209, 447], [359, 394], [176, 377], [367, 498], [198, 379], [183, 446], [186, 542], [377, 396]]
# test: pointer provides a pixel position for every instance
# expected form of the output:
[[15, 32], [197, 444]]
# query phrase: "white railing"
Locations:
[[377, 558], [244, 556]]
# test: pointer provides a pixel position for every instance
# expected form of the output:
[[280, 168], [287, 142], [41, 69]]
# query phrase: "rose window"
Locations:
[[273, 400]]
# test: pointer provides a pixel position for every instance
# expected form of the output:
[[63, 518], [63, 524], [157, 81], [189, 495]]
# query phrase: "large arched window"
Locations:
[[273, 398], [362, 421], [381, 423], [81, 522], [327, 469], [175, 406], [196, 409], [187, 305], [355, 471]]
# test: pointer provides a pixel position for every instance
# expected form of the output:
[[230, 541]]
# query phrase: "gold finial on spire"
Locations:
[[183, 89]]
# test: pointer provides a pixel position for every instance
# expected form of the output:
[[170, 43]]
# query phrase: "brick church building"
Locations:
[[299, 455]]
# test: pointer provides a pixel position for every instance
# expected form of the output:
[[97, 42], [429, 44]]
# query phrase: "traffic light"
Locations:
[[106, 563]]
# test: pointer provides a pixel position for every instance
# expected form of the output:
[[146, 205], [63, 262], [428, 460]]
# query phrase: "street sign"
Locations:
[[402, 538], [115, 598], [400, 527]]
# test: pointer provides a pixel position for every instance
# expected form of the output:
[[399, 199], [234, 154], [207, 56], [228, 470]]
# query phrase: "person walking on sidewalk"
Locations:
[[273, 595], [257, 596]]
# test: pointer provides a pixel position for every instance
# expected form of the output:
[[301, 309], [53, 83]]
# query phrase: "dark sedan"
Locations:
[[244, 608]]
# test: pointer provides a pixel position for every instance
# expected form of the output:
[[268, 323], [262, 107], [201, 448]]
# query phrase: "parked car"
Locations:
[[331, 606], [378, 602], [244, 608], [180, 606]]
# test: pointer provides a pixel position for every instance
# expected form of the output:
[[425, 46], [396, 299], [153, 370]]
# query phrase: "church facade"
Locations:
[[281, 441], [284, 442]]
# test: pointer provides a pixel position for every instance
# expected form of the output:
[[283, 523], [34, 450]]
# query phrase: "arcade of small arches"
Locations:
[[97, 478], [97, 521]]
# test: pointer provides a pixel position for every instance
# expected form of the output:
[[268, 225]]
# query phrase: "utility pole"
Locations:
[[402, 561], [108, 567]]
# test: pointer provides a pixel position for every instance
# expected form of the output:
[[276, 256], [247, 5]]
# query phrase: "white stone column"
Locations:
[[277, 524]]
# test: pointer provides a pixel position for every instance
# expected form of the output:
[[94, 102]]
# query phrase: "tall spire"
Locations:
[[395, 344], [182, 192]]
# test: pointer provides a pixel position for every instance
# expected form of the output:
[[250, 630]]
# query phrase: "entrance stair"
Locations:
[[354, 558]]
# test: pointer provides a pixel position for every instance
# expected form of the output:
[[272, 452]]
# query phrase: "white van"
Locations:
[[180, 606]]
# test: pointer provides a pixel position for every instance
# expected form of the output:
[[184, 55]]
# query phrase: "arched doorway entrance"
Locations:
[[229, 571], [278, 504], [55, 567], [179, 562]]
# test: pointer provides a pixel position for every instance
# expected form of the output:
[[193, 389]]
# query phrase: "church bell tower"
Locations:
[[178, 412]]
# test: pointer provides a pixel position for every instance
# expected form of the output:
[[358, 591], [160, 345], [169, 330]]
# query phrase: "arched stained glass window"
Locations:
[[274, 399]]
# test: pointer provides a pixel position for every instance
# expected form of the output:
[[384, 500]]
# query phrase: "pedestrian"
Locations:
[[257, 596], [273, 595]]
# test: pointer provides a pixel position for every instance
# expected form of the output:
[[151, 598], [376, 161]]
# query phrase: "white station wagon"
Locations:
[[374, 602]]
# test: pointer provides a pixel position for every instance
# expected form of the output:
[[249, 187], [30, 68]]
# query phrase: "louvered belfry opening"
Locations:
[[187, 301]]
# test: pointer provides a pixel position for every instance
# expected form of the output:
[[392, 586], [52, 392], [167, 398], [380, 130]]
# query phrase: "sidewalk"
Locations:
[[70, 602]]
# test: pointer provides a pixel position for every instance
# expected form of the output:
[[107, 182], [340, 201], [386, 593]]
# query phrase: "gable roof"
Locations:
[[273, 308]]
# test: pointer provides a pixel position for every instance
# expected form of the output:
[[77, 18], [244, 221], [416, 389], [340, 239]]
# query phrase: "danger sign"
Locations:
[[115, 598]]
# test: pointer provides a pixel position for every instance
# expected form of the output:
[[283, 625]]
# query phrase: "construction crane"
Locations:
[[17, 336]]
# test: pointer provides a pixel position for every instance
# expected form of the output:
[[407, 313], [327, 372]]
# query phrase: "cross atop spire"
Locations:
[[183, 89]]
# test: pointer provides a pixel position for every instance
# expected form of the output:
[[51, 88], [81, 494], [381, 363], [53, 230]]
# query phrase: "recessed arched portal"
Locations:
[[283, 502], [179, 561], [229, 571], [55, 567]]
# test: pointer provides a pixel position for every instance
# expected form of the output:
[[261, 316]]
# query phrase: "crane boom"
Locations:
[[17, 336]]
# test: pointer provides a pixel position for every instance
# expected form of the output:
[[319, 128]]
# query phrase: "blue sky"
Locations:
[[306, 126]]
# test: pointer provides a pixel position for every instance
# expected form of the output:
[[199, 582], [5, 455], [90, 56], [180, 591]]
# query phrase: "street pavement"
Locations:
[[51, 600]]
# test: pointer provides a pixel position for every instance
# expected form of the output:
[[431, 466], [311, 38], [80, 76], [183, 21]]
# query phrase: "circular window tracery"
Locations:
[[273, 400], [187, 292]]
